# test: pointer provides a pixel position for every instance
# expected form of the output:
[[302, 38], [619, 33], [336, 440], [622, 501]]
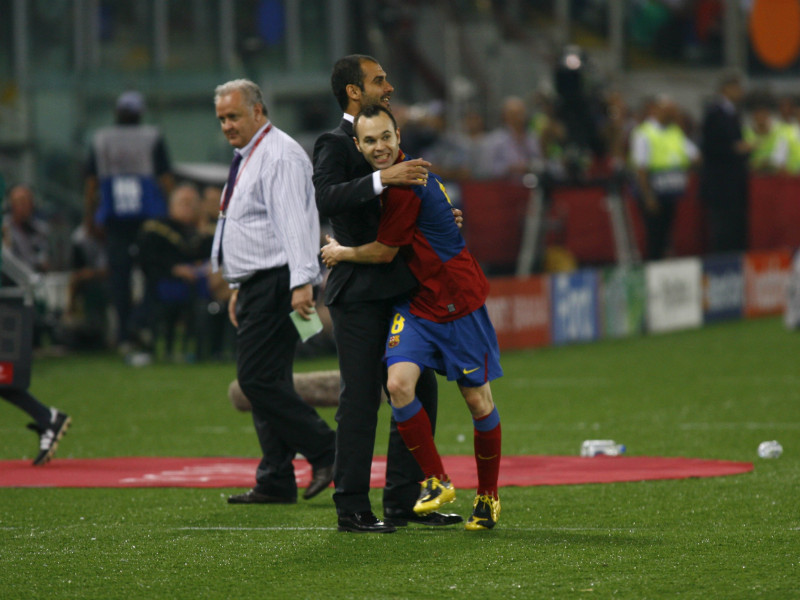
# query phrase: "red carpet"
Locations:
[[240, 472]]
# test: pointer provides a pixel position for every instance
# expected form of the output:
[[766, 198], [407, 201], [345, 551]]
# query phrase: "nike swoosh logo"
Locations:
[[470, 371], [487, 457], [412, 449]]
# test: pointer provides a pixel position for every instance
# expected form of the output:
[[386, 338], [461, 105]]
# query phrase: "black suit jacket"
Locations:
[[724, 171], [345, 195]]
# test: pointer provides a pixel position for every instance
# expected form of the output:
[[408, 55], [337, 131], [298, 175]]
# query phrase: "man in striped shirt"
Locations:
[[266, 244]]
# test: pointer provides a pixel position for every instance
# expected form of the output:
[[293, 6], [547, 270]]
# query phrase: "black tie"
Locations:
[[237, 159]]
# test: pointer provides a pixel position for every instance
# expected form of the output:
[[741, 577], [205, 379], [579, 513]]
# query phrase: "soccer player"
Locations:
[[445, 326]]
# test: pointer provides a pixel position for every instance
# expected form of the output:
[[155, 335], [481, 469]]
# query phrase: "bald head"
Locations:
[[515, 113], [20, 203], [184, 204]]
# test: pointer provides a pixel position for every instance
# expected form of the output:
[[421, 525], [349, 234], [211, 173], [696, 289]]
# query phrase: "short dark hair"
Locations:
[[370, 111], [347, 71], [730, 76]]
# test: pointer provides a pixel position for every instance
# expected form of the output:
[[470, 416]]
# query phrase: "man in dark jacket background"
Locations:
[[724, 177]]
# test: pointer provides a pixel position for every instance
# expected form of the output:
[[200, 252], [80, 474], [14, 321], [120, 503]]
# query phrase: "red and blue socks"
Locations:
[[487, 442], [415, 429]]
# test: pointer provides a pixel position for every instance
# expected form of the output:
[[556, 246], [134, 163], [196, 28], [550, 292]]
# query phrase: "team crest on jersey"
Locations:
[[394, 340]]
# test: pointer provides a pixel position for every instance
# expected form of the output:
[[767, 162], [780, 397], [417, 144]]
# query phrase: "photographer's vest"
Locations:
[[126, 171]]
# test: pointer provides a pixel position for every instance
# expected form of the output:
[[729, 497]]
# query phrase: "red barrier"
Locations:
[[774, 212], [586, 224], [764, 195], [690, 230], [495, 211], [494, 214], [520, 311]]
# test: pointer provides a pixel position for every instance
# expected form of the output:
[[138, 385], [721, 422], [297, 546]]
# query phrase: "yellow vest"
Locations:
[[667, 147], [669, 160], [792, 134], [761, 156]]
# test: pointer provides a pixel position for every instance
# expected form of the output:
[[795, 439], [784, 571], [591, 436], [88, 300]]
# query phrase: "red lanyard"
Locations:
[[226, 197]]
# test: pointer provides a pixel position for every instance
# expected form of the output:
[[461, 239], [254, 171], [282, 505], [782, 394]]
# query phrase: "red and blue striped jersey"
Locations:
[[419, 220]]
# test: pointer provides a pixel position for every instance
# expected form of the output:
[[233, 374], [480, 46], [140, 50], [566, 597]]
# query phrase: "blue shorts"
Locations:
[[465, 350]]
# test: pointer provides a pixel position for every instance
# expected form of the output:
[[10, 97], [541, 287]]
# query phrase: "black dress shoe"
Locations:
[[254, 497], [364, 522], [401, 518], [319, 481]]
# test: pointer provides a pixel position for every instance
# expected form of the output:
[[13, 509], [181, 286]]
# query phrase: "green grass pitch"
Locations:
[[710, 393]]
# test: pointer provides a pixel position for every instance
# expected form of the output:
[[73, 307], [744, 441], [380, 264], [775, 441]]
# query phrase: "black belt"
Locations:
[[263, 274]]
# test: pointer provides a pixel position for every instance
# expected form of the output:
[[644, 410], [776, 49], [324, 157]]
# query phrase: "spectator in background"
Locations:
[[788, 134], [549, 130], [423, 126], [128, 179], [724, 176], [770, 144], [512, 150], [792, 133], [215, 333], [474, 128], [174, 257], [26, 235], [617, 130], [450, 153], [209, 212], [786, 110], [87, 300], [662, 156], [645, 111]]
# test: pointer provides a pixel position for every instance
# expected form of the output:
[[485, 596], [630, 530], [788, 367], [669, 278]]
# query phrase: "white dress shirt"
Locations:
[[271, 219]]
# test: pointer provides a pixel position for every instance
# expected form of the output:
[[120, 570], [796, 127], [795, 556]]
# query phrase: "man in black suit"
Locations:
[[360, 298], [724, 175]]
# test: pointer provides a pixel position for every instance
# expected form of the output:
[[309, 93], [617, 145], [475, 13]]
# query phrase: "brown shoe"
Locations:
[[321, 479], [254, 497]]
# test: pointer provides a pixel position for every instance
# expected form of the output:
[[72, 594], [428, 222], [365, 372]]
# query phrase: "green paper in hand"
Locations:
[[306, 329]]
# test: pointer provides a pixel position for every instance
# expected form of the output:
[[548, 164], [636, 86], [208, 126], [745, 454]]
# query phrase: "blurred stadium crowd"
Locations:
[[573, 128]]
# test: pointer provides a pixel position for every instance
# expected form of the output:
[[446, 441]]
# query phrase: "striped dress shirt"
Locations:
[[271, 219]]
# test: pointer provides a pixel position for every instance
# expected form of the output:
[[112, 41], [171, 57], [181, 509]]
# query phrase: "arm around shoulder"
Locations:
[[333, 163]]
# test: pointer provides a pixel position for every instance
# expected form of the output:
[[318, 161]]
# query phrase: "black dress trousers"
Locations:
[[266, 340]]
